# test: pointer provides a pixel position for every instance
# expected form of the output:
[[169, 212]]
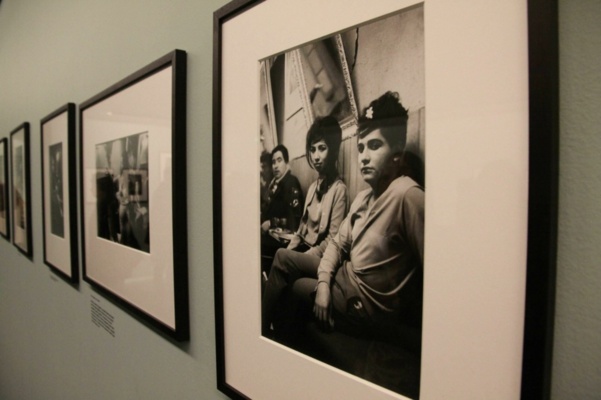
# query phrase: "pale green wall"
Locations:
[[577, 363], [52, 52]]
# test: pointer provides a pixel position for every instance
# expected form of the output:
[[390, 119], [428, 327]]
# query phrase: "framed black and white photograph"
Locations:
[[396, 234], [57, 138], [311, 138], [20, 189], [4, 207], [133, 160]]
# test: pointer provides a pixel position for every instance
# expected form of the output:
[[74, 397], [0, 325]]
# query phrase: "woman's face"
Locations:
[[375, 158], [319, 155]]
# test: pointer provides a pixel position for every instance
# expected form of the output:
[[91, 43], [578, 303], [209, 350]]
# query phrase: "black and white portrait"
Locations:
[[57, 219], [122, 191], [341, 162], [19, 195]]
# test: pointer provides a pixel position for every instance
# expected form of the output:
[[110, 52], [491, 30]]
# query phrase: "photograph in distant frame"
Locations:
[[122, 189], [19, 195], [57, 217]]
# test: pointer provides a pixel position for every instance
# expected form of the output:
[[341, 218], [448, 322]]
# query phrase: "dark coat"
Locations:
[[284, 200]]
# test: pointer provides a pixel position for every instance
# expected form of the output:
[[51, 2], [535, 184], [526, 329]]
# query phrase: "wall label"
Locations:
[[102, 318]]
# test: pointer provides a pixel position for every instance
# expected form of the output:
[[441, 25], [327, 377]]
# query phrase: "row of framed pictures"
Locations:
[[132, 181]]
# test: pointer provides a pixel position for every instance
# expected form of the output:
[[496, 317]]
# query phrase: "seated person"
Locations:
[[326, 202], [370, 270], [283, 207], [265, 177]]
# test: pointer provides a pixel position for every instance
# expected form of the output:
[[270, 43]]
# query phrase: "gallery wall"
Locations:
[[577, 349], [64, 51]]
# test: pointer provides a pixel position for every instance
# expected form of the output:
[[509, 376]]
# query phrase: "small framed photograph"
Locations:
[[133, 160], [20, 190], [398, 232], [57, 138], [4, 208]]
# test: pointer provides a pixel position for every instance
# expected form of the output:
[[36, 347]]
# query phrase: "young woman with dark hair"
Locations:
[[326, 202]]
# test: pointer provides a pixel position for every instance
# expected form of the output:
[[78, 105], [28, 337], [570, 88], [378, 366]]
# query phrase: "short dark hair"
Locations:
[[388, 114], [328, 130], [283, 149], [265, 158]]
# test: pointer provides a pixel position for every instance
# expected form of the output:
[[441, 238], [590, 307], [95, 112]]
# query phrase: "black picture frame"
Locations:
[[138, 124], [59, 195], [543, 178], [4, 191], [21, 234], [542, 174]]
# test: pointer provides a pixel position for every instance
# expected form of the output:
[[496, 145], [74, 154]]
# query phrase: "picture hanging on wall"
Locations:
[[4, 208], [57, 138], [133, 182], [20, 190], [370, 264]]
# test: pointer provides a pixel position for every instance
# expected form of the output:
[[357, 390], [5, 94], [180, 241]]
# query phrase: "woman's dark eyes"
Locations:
[[374, 145]]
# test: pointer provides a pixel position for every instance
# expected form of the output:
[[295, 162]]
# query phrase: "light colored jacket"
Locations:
[[334, 205], [377, 250]]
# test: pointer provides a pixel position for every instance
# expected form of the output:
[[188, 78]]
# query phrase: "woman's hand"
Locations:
[[294, 242], [265, 226], [322, 306]]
